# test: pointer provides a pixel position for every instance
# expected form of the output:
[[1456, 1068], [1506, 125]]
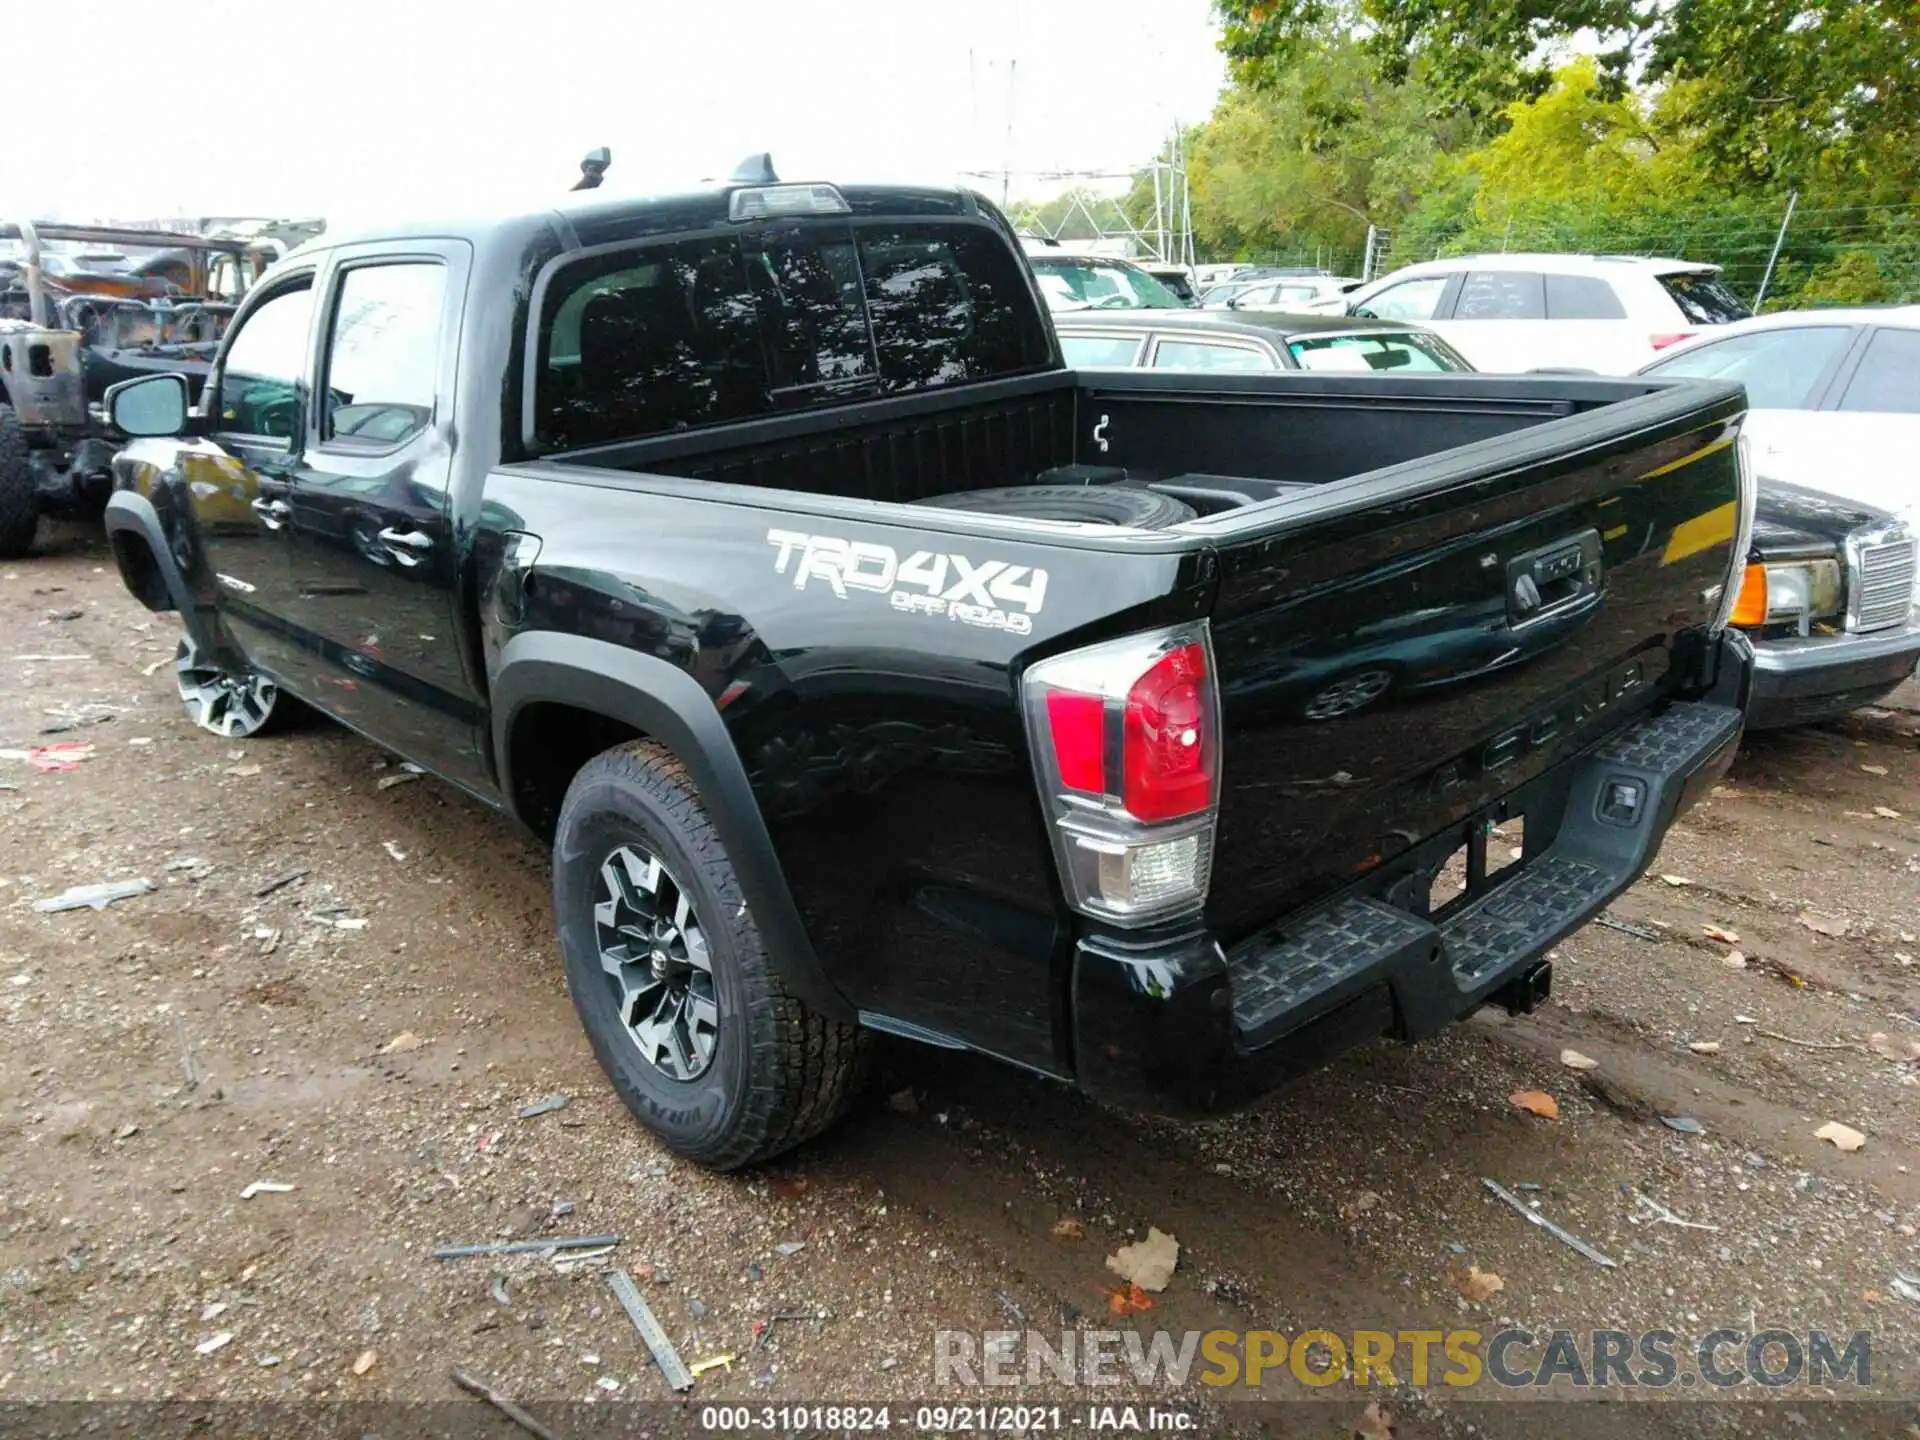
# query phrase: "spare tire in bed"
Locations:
[[1085, 504]]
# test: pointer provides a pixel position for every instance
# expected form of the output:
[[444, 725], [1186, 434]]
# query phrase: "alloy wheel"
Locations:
[[233, 703], [653, 951]]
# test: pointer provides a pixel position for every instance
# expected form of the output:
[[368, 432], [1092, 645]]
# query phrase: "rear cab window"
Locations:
[[664, 336], [1703, 298], [1407, 353], [1101, 350]]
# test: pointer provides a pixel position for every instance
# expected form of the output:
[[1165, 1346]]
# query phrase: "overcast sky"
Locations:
[[373, 109]]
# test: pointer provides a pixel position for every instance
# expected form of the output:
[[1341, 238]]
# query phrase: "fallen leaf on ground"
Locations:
[[1705, 1047], [1476, 1284], [1887, 1047], [1720, 933], [1128, 1300], [1148, 1263], [1574, 1060], [368, 1359], [1734, 960], [1676, 880], [1536, 1102], [1874, 769], [1375, 1424], [399, 1045], [1844, 1137], [1886, 812], [1823, 924], [1070, 1228]]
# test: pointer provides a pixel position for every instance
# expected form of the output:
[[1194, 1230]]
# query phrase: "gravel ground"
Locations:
[[369, 1033]]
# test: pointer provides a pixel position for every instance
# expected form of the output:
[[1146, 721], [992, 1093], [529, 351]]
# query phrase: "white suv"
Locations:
[[1512, 313]]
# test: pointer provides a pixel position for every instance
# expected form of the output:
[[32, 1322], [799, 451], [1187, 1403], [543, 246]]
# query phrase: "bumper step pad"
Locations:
[[1293, 973]]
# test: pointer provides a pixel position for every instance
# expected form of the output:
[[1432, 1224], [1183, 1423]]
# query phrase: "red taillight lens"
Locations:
[[1167, 768], [1078, 724], [1661, 342]]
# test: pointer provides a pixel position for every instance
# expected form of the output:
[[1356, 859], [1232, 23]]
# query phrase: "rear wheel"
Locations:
[[672, 982], [230, 702], [19, 498]]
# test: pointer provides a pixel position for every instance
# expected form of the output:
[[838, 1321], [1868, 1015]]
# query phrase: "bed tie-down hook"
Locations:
[[1100, 433]]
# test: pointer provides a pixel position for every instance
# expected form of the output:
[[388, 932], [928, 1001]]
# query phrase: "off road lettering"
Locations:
[[992, 594]]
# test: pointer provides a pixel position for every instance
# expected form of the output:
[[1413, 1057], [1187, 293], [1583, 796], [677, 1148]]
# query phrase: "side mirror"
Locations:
[[151, 405]]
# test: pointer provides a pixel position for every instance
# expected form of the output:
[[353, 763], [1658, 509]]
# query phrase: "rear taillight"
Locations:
[[1661, 342], [1126, 742]]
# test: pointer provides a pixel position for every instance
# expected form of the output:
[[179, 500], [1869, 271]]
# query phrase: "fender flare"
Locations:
[[129, 512], [667, 704]]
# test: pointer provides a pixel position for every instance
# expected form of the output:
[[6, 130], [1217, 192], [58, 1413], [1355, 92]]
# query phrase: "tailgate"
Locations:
[[1404, 648]]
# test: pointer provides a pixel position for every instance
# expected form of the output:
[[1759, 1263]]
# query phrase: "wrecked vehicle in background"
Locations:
[[72, 323]]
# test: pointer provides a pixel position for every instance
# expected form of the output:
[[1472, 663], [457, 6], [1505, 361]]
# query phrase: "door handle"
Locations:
[[273, 513], [414, 540]]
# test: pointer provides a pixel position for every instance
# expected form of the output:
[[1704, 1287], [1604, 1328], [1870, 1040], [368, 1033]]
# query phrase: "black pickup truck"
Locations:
[[870, 670]]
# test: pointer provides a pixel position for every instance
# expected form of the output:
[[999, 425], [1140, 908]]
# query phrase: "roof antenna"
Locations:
[[755, 170], [593, 168]]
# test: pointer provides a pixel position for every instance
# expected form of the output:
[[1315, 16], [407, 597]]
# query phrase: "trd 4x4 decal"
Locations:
[[992, 594]]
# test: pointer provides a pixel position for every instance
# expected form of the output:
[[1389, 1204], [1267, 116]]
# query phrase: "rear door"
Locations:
[[1496, 322], [374, 559]]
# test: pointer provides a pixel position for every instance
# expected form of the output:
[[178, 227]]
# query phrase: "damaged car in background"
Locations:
[[75, 321]]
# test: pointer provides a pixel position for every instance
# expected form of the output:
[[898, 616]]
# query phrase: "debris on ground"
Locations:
[[1675, 880], [1127, 1300], [672, 1368], [1148, 1263], [1639, 932], [214, 1342], [546, 1105], [59, 756], [497, 1288], [525, 1247], [93, 897], [1476, 1284], [279, 882], [1660, 1214], [1375, 1424], [483, 1391], [1534, 1217], [395, 851], [1833, 925], [1804, 1044], [1888, 1048], [1070, 1228], [1734, 960], [337, 916], [400, 1044], [404, 777], [1874, 769], [1574, 1060], [1685, 1124], [903, 1101], [788, 1187], [1906, 1287], [366, 1361], [1535, 1102], [242, 772], [789, 1247], [1842, 1137], [266, 1187], [1720, 933], [1704, 1047], [717, 1362]]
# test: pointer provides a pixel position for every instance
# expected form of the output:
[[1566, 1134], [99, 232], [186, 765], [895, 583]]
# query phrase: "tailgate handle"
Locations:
[[1554, 579]]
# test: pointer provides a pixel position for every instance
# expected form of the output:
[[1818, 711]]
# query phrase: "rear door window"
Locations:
[[1109, 350], [1888, 380], [383, 357], [1502, 295], [1704, 299], [1208, 355], [1582, 297]]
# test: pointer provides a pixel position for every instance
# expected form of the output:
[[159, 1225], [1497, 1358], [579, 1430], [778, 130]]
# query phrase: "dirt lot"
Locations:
[[369, 1032]]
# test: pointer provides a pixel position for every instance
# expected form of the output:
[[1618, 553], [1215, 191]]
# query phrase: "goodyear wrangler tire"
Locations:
[[671, 979], [19, 498]]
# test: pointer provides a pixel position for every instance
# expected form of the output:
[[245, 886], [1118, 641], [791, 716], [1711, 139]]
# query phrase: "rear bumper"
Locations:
[[1184, 1027], [1797, 682]]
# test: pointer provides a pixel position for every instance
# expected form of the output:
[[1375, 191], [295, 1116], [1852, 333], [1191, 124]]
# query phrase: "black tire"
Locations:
[[19, 497], [777, 1073], [1129, 505]]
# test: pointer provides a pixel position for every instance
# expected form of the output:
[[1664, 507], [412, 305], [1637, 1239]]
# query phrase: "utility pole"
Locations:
[[1793, 199]]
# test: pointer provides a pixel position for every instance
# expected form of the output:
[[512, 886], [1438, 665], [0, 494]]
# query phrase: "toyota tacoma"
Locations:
[[868, 669]]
